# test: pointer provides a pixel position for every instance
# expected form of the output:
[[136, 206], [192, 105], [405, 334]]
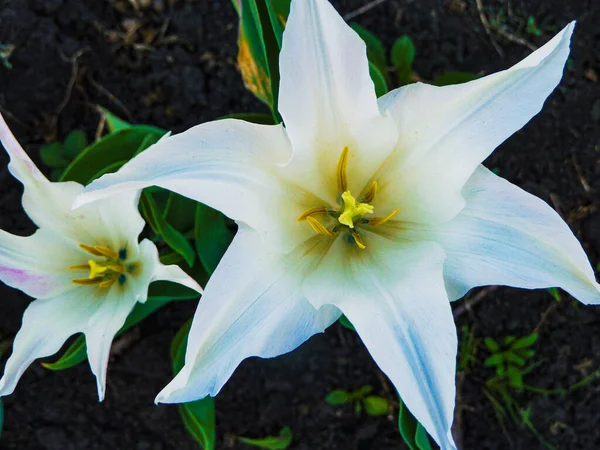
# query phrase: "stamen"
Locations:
[[105, 251], [90, 249], [311, 212], [108, 283], [318, 227], [101, 268], [81, 267], [370, 195], [88, 281], [380, 220], [341, 170], [358, 240]]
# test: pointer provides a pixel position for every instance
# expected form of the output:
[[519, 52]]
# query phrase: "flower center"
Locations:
[[352, 211], [108, 271]]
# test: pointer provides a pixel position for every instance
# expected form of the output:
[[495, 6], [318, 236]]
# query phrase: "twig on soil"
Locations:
[[363, 9], [101, 125], [6, 113], [488, 27], [582, 180], [111, 97], [557, 205], [545, 316], [469, 303], [74, 74]]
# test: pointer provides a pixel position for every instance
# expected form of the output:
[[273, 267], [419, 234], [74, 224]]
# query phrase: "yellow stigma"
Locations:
[[103, 273], [353, 210]]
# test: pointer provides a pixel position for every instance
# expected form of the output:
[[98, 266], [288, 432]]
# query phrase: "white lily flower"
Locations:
[[85, 268], [379, 209]]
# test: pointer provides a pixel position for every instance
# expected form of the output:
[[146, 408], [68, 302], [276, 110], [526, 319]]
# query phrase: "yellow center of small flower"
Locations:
[[352, 212], [107, 272]]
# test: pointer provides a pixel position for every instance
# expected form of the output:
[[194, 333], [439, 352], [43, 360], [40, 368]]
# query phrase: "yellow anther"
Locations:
[[318, 227], [90, 249], [99, 250], [311, 212], [353, 210], [358, 240], [81, 267], [341, 170], [379, 220], [88, 281], [370, 195]]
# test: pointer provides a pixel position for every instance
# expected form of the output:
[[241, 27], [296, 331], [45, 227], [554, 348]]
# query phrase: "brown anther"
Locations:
[[380, 220], [370, 195], [358, 240], [318, 227], [341, 170], [316, 210], [88, 281]]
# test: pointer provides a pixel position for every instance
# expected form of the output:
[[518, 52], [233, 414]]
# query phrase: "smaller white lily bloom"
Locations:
[[85, 268], [378, 208]]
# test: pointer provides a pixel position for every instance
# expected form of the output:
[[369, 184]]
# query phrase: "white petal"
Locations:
[[446, 132], [393, 293], [38, 264], [252, 306], [228, 165], [48, 323], [159, 271], [327, 101], [506, 236]]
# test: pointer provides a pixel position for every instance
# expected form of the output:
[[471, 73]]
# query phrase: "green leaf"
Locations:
[[180, 212], [491, 345], [555, 293], [258, 55], [525, 353], [509, 340], [361, 392], [407, 424], [77, 351], [113, 122], [422, 439], [514, 358], [338, 397], [199, 416], [75, 142], [279, 10], [54, 155], [173, 238], [525, 341], [346, 323], [494, 360], [515, 378], [112, 148], [212, 236], [166, 290], [403, 56], [375, 50], [532, 27], [376, 406], [281, 442], [454, 77], [1, 416], [381, 87]]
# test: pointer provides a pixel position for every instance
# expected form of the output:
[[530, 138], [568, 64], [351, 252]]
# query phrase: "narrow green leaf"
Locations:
[[279, 10], [113, 122], [422, 439], [346, 323], [375, 50], [361, 392], [199, 416], [515, 378], [1, 416], [180, 212], [403, 56], [491, 345], [407, 425], [514, 358], [112, 148], [212, 236], [338, 397], [381, 87], [555, 293], [494, 360], [376, 406], [525, 353], [173, 238], [525, 341], [454, 77], [281, 442], [75, 142], [54, 155]]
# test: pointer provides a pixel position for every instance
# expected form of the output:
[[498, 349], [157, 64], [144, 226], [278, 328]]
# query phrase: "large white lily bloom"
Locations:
[[379, 209], [85, 268]]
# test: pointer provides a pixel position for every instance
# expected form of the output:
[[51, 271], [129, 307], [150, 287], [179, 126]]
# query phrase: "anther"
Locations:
[[88, 281], [358, 240], [380, 220], [341, 170], [99, 250], [311, 212], [318, 227], [81, 267], [370, 195]]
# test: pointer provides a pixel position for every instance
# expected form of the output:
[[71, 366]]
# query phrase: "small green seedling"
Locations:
[[403, 57], [532, 27], [58, 155], [510, 358], [373, 405], [467, 349], [281, 442]]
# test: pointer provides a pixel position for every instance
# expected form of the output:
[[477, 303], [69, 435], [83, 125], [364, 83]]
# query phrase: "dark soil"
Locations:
[[188, 75]]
